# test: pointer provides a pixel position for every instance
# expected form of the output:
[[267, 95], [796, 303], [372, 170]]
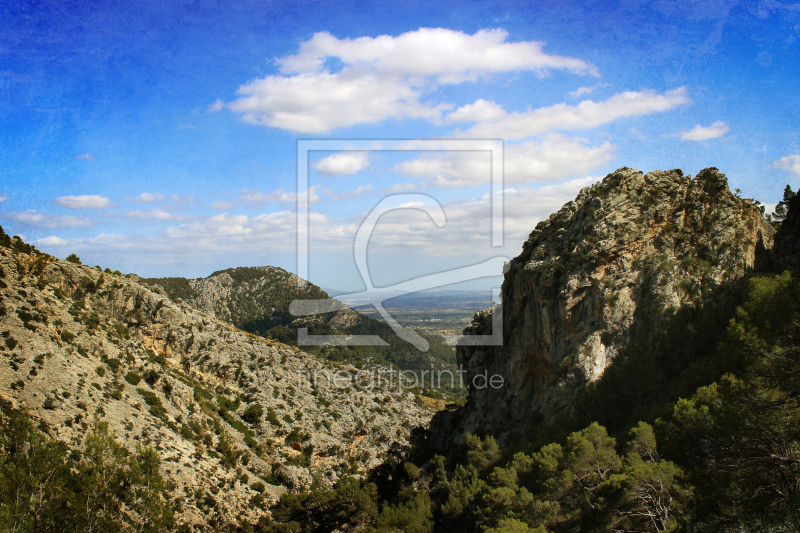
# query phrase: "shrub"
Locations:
[[272, 417], [156, 408], [133, 378], [252, 414], [87, 284], [151, 377], [72, 258], [67, 336], [11, 342]]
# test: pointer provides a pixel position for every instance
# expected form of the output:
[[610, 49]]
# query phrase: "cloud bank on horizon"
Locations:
[[215, 184]]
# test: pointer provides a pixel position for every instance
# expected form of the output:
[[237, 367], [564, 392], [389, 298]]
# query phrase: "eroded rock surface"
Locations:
[[623, 254]]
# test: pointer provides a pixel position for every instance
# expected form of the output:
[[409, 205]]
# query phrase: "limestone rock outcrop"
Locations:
[[626, 250]]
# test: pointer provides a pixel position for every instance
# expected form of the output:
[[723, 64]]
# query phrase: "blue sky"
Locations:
[[161, 138]]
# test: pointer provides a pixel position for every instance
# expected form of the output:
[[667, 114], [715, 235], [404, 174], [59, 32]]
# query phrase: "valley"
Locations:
[[647, 326]]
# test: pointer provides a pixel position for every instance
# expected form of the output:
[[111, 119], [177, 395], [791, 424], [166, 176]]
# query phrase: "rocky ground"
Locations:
[[235, 417]]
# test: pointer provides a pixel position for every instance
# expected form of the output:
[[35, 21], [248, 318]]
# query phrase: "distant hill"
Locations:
[[256, 300]]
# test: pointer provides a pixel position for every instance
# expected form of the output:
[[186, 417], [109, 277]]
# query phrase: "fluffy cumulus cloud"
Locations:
[[222, 206], [703, 133], [586, 115], [467, 231], [383, 77], [3, 198], [450, 169], [552, 158], [85, 157], [458, 56], [47, 220], [318, 102], [84, 201], [342, 164], [479, 111], [53, 241], [789, 163]]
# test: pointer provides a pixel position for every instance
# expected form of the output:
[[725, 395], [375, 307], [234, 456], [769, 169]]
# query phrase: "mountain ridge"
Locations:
[[223, 407]]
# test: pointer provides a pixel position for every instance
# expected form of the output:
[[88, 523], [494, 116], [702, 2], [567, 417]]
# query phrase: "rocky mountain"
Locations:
[[607, 269], [256, 300], [237, 419]]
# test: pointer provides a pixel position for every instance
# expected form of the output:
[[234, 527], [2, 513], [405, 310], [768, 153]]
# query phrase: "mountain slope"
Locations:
[[256, 300], [233, 416]]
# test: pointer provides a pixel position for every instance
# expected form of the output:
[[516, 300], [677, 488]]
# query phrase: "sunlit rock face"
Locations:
[[608, 266]]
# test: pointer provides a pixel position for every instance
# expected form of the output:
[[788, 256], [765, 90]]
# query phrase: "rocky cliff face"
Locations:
[[226, 409], [615, 259]]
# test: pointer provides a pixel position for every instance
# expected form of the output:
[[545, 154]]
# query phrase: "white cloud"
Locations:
[[47, 220], [703, 133], [85, 157], [464, 240], [449, 56], [383, 77], [450, 169], [342, 164], [789, 163], [53, 241], [222, 205], [586, 115], [479, 111], [580, 91], [318, 102], [84, 201], [279, 196], [467, 232], [553, 158], [148, 197], [158, 214], [3, 198]]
